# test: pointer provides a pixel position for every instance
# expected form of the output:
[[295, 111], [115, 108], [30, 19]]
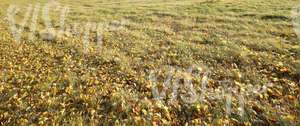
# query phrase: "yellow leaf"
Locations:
[[144, 111], [280, 64], [159, 106], [148, 86], [270, 90], [205, 107], [97, 82], [266, 96], [198, 107], [289, 117], [223, 41], [296, 47], [54, 91], [164, 121], [261, 96]]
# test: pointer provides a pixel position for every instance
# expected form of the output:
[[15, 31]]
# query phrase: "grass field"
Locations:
[[246, 43]]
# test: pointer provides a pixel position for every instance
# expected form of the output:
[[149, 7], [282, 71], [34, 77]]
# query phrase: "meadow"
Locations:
[[242, 43]]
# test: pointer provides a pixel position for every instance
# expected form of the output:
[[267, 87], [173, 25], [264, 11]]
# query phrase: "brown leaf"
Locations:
[[236, 122], [257, 109]]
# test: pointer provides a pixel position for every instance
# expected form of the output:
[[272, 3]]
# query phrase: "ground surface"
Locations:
[[246, 43]]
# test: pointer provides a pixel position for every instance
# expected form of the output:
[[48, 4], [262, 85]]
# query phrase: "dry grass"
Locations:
[[245, 42]]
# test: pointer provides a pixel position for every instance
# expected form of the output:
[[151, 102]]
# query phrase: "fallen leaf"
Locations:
[[273, 120]]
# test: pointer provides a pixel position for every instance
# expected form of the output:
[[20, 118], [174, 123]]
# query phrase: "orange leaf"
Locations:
[[273, 120]]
